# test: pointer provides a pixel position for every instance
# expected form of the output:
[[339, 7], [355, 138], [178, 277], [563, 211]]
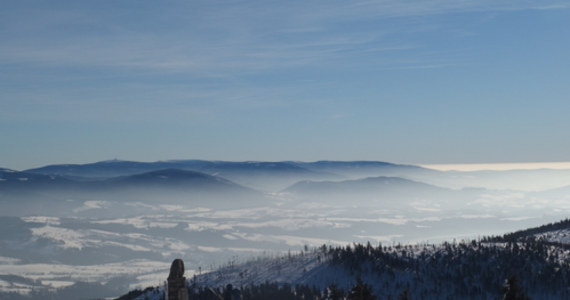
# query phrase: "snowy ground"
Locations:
[[558, 236], [93, 243], [52, 276]]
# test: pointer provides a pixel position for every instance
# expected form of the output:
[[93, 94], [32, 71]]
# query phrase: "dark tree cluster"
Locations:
[[516, 266], [137, 293], [529, 234], [271, 290], [466, 270], [267, 290]]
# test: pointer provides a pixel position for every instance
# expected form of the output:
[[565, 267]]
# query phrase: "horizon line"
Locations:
[[461, 167], [466, 167]]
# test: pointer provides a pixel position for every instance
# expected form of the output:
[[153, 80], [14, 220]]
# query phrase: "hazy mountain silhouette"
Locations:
[[102, 169], [359, 169], [15, 180], [370, 184], [258, 175], [387, 190], [166, 178], [113, 168], [173, 179], [55, 193]]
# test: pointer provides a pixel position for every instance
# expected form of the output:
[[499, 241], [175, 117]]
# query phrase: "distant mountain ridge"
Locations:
[[256, 174], [390, 192], [106, 168], [363, 168], [162, 177], [102, 169], [274, 176], [174, 178], [369, 184], [161, 185], [10, 179]]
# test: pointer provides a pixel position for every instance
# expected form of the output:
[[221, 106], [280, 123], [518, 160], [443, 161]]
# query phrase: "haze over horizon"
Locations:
[[420, 82], [465, 167]]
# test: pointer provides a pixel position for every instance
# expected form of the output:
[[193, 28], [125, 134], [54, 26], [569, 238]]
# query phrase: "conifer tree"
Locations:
[[334, 293], [404, 295], [361, 291], [513, 291]]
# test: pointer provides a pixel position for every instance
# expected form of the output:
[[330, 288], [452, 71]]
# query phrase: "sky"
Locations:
[[422, 82]]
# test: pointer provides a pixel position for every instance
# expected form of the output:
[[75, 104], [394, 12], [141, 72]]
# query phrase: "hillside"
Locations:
[[557, 232], [476, 269], [173, 179], [102, 169], [385, 192], [56, 194], [13, 180], [370, 185], [167, 178]]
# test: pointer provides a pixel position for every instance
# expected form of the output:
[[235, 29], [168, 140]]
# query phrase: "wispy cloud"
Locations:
[[209, 63], [234, 37]]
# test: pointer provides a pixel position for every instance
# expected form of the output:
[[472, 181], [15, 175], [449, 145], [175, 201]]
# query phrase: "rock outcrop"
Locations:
[[177, 289]]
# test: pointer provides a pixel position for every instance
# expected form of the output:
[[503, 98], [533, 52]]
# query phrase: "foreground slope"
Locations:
[[474, 269]]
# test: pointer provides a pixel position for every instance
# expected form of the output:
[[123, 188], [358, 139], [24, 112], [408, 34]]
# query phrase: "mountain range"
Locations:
[[120, 223], [275, 176], [113, 168], [259, 175], [360, 182]]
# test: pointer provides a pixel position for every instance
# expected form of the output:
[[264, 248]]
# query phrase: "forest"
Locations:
[[518, 265]]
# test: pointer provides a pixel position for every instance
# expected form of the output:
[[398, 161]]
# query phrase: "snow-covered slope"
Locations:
[[466, 270], [307, 268], [561, 236], [303, 268]]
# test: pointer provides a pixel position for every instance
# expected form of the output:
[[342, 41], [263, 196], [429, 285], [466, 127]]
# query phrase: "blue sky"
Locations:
[[440, 81]]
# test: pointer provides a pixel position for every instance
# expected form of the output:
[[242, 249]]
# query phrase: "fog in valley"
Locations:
[[113, 226]]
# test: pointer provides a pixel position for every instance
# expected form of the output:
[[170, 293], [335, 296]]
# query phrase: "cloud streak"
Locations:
[[214, 69], [232, 37]]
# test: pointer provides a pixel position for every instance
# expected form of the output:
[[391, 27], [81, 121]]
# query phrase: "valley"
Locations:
[[115, 226]]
